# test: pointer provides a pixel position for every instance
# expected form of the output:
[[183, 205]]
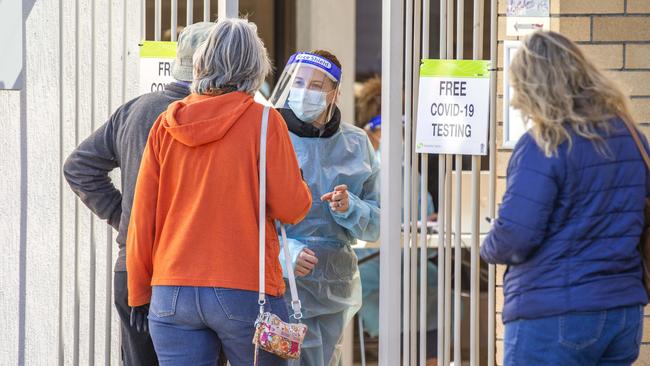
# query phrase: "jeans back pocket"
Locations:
[[239, 305], [163, 300], [242, 305], [581, 329]]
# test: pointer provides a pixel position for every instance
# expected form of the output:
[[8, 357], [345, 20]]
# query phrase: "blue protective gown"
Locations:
[[331, 293]]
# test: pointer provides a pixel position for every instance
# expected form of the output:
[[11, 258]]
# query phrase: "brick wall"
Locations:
[[615, 34]]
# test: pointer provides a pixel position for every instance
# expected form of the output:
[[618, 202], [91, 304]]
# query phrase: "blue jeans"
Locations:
[[190, 325], [610, 337]]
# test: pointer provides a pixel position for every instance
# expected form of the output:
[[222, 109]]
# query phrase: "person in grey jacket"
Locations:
[[119, 143]]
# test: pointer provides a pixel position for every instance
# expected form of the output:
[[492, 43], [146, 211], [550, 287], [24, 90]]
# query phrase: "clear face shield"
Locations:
[[309, 86]]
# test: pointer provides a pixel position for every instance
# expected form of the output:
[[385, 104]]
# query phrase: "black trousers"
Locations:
[[136, 348]]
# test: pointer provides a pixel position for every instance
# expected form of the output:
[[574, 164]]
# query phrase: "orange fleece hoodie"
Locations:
[[194, 219]]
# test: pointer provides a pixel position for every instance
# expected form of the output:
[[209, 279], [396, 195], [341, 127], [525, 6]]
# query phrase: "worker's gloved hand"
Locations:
[[139, 316], [305, 262], [339, 199]]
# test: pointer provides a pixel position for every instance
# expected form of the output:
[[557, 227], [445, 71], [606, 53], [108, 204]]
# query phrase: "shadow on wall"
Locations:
[[28, 5]]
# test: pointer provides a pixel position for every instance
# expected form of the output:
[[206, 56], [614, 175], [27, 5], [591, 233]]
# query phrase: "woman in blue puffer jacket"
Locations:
[[572, 215]]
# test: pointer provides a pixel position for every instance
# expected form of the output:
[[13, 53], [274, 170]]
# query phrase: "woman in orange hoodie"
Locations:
[[192, 247]]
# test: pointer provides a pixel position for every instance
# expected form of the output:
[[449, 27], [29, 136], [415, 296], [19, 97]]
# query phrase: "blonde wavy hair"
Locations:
[[559, 90]]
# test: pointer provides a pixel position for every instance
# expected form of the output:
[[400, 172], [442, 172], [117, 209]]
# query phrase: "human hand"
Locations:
[[139, 316], [339, 199], [305, 262]]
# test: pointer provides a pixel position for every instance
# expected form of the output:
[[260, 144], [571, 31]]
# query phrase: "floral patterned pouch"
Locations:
[[277, 337]]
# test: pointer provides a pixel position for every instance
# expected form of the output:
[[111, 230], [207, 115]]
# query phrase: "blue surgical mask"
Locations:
[[307, 104]]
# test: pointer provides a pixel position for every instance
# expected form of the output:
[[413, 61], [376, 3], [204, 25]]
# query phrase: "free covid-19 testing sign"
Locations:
[[453, 107], [156, 59]]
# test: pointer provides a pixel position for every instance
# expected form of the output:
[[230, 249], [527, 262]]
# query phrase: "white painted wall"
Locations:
[[42, 227], [330, 25]]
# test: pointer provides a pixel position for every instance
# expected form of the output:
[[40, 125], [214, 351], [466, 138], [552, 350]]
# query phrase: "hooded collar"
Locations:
[[303, 129], [201, 119]]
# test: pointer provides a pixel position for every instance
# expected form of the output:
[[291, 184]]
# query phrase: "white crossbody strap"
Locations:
[[295, 301], [262, 213]]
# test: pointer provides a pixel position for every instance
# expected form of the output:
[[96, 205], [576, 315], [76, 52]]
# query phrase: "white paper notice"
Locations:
[[156, 59], [453, 108]]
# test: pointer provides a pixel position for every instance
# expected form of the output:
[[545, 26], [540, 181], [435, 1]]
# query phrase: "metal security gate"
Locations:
[[406, 30], [88, 327], [78, 283]]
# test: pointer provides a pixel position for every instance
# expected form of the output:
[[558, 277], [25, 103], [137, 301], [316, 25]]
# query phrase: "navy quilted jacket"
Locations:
[[568, 228]]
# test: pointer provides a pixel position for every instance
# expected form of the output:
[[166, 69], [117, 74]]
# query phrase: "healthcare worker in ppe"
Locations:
[[339, 165]]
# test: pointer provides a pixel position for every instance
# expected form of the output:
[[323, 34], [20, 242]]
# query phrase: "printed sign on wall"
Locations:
[[453, 108], [156, 59], [527, 16]]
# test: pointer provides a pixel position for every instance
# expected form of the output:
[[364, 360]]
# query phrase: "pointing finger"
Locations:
[[341, 188], [327, 196]]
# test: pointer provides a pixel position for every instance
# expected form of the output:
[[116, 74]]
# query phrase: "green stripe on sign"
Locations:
[[154, 49], [455, 68]]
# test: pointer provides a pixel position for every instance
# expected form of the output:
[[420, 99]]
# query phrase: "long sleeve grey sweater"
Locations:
[[118, 143]]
